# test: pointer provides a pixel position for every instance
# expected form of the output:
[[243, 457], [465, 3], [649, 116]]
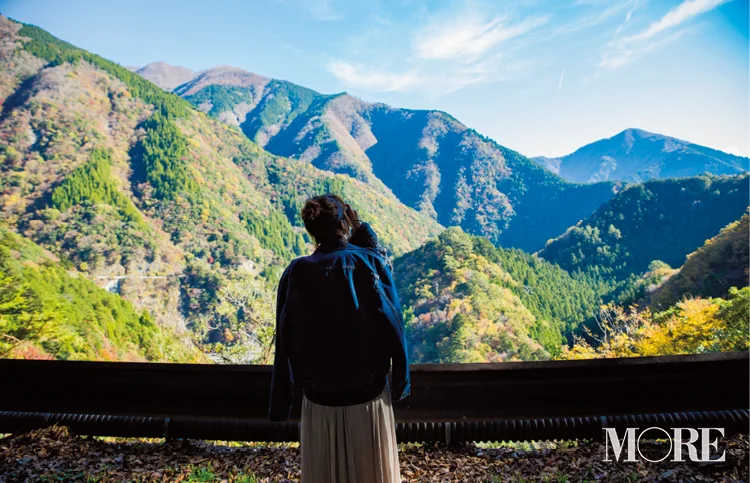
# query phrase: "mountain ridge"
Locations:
[[123, 180], [635, 155], [666, 220], [428, 159], [710, 271], [673, 158], [176, 212]]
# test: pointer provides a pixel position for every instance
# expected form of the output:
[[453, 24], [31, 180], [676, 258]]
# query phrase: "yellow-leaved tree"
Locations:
[[692, 326]]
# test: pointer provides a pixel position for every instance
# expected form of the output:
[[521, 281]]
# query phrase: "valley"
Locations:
[[185, 187]]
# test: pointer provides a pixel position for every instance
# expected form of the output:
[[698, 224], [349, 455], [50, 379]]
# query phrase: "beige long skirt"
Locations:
[[349, 444]]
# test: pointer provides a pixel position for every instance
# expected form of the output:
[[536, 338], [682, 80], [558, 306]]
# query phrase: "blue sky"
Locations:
[[543, 77]]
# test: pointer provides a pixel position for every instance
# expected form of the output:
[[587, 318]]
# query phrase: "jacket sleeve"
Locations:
[[364, 237], [281, 399], [400, 357]]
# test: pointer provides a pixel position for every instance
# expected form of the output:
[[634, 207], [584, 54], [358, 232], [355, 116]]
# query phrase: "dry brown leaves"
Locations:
[[53, 454]]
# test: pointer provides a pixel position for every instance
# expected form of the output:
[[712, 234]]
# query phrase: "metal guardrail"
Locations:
[[457, 402], [733, 422]]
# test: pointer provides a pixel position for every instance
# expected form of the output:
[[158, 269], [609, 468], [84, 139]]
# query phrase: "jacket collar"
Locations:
[[339, 244]]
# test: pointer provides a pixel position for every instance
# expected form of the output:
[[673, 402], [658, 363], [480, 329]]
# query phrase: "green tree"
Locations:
[[734, 334], [160, 156], [23, 319]]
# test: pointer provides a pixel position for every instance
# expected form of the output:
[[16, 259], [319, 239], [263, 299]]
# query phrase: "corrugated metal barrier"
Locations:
[[518, 401]]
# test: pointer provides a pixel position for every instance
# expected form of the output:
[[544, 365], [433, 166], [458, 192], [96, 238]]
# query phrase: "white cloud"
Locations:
[[595, 19], [678, 15], [625, 50], [432, 80], [628, 16], [364, 77], [625, 55], [560, 84], [443, 54], [448, 53], [468, 36], [596, 12]]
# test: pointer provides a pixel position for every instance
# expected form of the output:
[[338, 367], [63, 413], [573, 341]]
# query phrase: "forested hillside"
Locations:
[[712, 270], [108, 171], [186, 213], [635, 155], [430, 160], [659, 220], [468, 301], [48, 312], [692, 326]]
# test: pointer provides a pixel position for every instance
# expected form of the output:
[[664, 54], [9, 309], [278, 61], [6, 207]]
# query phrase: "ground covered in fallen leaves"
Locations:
[[53, 454]]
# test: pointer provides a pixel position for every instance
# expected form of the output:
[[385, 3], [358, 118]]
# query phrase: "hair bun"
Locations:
[[312, 210]]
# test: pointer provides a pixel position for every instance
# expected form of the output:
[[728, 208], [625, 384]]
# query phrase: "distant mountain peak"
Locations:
[[160, 64], [431, 161], [634, 131], [165, 75], [221, 75], [636, 155]]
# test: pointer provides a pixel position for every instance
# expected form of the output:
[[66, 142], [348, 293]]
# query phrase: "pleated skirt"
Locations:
[[349, 444]]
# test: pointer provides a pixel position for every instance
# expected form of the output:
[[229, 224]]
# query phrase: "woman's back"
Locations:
[[337, 334], [338, 328]]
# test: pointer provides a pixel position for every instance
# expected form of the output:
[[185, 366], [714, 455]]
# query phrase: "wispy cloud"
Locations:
[[678, 15], [628, 16], [594, 19], [623, 56], [448, 53], [624, 50], [595, 13], [424, 79], [365, 77], [443, 52], [469, 36]]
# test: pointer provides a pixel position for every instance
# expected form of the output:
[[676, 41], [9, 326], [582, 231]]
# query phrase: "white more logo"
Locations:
[[697, 442]]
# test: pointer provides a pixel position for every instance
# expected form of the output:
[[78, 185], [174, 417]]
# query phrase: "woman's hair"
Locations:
[[323, 215]]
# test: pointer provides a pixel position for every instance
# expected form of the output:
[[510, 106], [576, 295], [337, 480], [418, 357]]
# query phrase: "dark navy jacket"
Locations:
[[338, 325]]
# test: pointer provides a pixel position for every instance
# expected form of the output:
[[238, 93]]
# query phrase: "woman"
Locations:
[[338, 326]]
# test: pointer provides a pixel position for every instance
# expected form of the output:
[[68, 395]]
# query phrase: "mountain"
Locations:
[[164, 75], [658, 220], [181, 215], [431, 161], [635, 156], [469, 301], [47, 311], [159, 223], [720, 264]]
